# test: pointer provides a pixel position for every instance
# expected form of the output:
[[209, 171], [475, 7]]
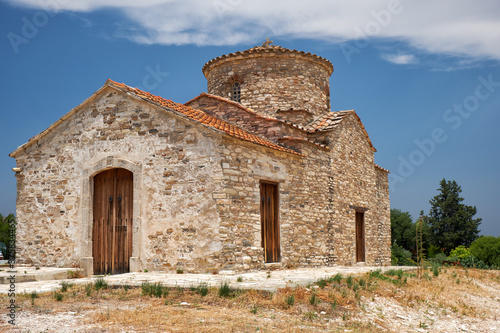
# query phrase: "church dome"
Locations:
[[272, 80]]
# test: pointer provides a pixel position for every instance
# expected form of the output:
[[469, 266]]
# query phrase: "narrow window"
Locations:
[[360, 237], [269, 203], [236, 92]]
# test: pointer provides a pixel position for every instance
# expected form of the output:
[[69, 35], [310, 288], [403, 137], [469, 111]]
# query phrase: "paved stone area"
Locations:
[[270, 280]]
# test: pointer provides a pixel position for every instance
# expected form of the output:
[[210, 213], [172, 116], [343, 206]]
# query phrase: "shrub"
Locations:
[[458, 253], [473, 262], [438, 259], [400, 256], [435, 270], [487, 249]]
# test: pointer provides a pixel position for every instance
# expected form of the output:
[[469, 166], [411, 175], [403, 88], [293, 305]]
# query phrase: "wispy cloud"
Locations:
[[400, 59], [459, 28]]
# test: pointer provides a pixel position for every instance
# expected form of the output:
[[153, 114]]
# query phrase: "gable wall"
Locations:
[[179, 167], [358, 186]]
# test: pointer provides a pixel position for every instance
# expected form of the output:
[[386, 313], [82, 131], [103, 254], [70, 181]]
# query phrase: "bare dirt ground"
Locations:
[[457, 300]]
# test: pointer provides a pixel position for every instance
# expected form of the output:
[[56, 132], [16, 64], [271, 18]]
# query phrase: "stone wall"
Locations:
[[359, 186], [177, 219], [273, 80], [196, 191]]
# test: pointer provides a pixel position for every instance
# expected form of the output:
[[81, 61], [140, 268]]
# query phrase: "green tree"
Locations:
[[5, 234], [451, 222], [487, 249], [402, 229]]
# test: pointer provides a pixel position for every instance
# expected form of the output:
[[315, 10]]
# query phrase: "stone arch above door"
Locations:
[[86, 224]]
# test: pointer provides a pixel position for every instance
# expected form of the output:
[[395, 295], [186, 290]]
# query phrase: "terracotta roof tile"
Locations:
[[201, 117], [268, 50]]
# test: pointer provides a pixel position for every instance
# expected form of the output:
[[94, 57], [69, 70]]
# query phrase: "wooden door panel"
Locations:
[[270, 222], [112, 229], [360, 237]]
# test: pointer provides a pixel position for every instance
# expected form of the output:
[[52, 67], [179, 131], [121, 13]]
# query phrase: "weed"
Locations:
[[333, 304], [145, 270], [337, 278], [225, 290], [458, 281], [202, 289], [154, 290], [362, 283], [180, 271], [58, 296], [239, 279], [435, 271], [349, 281], [313, 300], [290, 300], [88, 289], [427, 276], [64, 286], [33, 295], [254, 309], [395, 272], [322, 283], [268, 275], [100, 283], [126, 287], [310, 315]]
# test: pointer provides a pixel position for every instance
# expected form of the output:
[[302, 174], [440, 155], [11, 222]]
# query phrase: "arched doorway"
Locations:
[[112, 221]]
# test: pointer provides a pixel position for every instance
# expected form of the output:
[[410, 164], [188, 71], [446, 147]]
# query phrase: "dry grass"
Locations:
[[324, 307]]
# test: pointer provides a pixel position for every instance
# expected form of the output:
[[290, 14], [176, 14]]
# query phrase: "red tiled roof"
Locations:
[[269, 50], [228, 101], [332, 119], [201, 117]]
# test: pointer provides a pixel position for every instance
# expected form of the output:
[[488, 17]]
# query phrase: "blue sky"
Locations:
[[423, 77]]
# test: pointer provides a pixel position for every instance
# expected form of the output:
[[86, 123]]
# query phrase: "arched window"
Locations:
[[235, 87], [236, 92]]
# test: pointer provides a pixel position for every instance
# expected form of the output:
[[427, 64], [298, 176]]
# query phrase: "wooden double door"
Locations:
[[112, 227], [270, 221]]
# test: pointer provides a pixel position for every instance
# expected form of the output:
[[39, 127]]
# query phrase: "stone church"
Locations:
[[258, 173]]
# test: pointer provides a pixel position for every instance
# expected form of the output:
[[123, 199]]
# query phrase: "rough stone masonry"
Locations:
[[198, 170]]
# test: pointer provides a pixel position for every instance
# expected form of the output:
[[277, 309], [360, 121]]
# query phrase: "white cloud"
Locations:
[[400, 59], [469, 29]]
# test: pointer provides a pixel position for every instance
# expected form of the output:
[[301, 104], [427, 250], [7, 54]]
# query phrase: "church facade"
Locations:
[[257, 173]]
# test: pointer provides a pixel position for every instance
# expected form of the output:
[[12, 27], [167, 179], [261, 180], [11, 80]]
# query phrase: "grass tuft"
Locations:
[[154, 289], [225, 290], [202, 289], [58, 296], [100, 283]]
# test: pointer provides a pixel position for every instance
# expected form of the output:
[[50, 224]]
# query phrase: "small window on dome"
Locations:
[[236, 92]]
